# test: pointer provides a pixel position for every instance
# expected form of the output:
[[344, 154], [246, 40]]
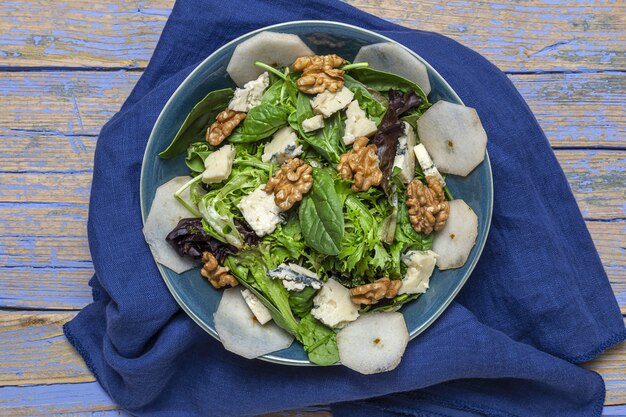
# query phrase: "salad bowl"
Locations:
[[193, 292]]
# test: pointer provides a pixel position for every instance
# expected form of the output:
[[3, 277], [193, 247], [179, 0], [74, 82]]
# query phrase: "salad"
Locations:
[[317, 199]]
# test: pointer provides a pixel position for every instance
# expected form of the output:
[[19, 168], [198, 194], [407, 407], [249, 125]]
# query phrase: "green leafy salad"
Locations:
[[317, 201]]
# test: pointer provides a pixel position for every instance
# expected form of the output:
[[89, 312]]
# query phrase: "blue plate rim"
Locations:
[[149, 151]]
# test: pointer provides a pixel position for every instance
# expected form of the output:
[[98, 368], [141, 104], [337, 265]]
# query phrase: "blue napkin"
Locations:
[[538, 302]]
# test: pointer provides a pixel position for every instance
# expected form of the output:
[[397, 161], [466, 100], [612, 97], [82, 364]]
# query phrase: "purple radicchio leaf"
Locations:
[[249, 236], [190, 239], [390, 129]]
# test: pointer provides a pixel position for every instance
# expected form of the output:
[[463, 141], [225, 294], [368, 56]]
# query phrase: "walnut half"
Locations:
[[361, 163], [375, 291], [290, 183], [225, 122], [217, 275], [428, 208], [319, 73]]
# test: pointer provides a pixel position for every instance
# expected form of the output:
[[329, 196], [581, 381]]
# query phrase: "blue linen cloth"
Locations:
[[538, 302]]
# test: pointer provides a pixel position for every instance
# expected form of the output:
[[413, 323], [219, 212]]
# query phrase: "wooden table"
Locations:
[[66, 67]]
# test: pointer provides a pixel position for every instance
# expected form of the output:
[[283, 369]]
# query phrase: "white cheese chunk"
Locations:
[[250, 95], [295, 277], [328, 103], [260, 211], [261, 312], [218, 165], [333, 306], [357, 123], [313, 123], [283, 146], [420, 266], [405, 159], [428, 167]]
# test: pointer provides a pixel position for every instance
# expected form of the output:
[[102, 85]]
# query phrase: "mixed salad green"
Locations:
[[286, 258]]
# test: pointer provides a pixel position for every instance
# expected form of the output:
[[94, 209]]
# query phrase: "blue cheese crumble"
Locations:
[[295, 278]]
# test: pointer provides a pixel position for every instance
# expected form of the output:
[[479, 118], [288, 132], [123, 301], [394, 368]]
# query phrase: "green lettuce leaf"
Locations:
[[319, 341]]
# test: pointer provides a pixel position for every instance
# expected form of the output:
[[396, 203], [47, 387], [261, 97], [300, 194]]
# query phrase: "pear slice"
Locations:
[[271, 48], [455, 241], [374, 343], [240, 332], [453, 136], [165, 213], [391, 57]]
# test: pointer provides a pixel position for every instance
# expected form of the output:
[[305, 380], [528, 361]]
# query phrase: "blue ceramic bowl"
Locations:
[[194, 294]]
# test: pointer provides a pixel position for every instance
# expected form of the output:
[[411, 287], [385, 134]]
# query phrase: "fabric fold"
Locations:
[[538, 299]]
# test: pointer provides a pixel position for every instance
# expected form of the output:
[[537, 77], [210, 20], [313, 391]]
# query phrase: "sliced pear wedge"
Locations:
[[165, 213], [455, 241], [453, 136], [271, 48], [374, 343], [240, 332]]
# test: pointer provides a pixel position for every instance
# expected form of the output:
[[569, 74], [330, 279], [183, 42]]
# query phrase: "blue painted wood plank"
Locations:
[[56, 399], [614, 411], [527, 36]]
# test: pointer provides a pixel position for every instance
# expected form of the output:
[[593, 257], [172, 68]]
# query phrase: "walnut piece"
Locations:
[[428, 208], [375, 291], [217, 275], [361, 163], [225, 122], [290, 183], [319, 73]]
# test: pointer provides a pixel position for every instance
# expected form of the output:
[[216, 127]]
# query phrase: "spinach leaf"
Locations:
[[196, 154], [321, 215], [301, 302], [328, 141], [199, 119], [374, 108], [319, 341], [273, 92], [269, 116], [261, 122], [385, 81]]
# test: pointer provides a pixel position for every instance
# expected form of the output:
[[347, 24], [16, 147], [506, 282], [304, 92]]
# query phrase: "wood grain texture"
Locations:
[[28, 341], [577, 109], [102, 34], [522, 35], [48, 115], [516, 36], [86, 399]]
